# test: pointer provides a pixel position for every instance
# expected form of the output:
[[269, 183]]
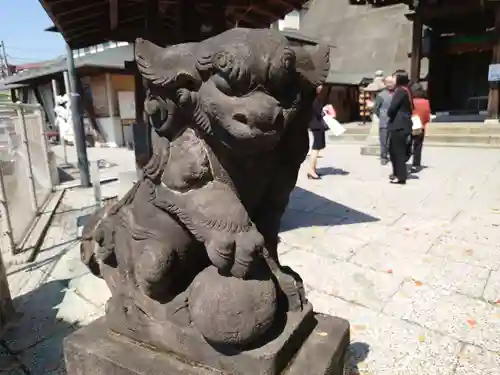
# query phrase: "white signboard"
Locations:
[[126, 103], [494, 73]]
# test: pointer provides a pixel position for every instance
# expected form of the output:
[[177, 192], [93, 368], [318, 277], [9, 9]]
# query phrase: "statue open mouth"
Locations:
[[246, 124], [163, 117], [190, 253]]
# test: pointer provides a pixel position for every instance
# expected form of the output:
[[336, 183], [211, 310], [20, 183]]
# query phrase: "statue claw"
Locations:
[[292, 288]]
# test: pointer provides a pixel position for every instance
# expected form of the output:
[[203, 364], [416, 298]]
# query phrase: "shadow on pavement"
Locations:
[[35, 343], [307, 209], [356, 354], [38, 264], [330, 171], [64, 176]]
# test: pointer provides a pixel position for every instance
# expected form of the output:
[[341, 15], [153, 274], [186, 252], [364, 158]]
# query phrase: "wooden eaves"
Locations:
[[90, 22]]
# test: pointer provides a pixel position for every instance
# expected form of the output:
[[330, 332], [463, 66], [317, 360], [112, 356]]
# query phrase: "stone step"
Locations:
[[461, 138], [360, 129], [464, 138], [457, 129], [437, 128], [373, 150], [348, 138]]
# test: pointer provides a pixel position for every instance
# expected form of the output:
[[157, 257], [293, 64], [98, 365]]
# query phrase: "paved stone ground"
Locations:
[[116, 161], [415, 268]]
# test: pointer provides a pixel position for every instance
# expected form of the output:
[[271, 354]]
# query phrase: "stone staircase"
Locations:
[[355, 133], [471, 135]]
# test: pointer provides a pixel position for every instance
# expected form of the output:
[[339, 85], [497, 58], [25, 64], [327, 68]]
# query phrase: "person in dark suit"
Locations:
[[400, 127], [318, 128]]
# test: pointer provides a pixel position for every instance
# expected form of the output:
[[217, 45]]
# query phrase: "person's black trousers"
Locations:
[[418, 142], [398, 152], [383, 137]]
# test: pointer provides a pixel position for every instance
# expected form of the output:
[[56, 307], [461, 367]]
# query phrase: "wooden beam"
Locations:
[[49, 12], [84, 17], [293, 4], [269, 14], [152, 25], [416, 49], [218, 16], [494, 94], [69, 9], [113, 14], [430, 12], [83, 33], [99, 22], [141, 129], [188, 21], [250, 18]]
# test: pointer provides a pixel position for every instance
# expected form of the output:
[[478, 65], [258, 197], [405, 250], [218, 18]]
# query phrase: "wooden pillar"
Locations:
[[110, 95], [494, 95], [188, 22], [218, 16], [140, 129], [416, 47], [153, 27], [13, 96]]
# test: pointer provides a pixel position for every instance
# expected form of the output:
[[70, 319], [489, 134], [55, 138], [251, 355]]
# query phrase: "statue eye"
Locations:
[[221, 61], [288, 60]]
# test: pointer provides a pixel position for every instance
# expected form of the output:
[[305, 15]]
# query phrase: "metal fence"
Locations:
[[25, 176]]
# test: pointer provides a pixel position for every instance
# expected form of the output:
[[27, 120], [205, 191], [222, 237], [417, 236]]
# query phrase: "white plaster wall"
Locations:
[[112, 128], [291, 21]]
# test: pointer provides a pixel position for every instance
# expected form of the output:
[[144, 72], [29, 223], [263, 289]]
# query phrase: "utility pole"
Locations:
[[81, 147], [4, 64]]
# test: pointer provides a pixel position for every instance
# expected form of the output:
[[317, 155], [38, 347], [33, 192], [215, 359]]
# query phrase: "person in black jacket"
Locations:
[[318, 128], [399, 127]]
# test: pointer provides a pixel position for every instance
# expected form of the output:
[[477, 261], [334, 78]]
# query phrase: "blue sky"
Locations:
[[21, 28]]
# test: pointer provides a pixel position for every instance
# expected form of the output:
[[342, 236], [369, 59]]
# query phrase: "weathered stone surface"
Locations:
[[325, 243], [459, 316], [477, 361], [366, 287], [492, 290], [325, 350], [269, 355], [453, 248], [431, 270], [192, 247], [94, 351], [384, 345]]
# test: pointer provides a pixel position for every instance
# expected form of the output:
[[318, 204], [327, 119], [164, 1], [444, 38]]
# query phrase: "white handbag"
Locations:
[[416, 127]]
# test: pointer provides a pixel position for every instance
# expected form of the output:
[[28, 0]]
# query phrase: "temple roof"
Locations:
[[90, 22], [366, 38], [112, 59]]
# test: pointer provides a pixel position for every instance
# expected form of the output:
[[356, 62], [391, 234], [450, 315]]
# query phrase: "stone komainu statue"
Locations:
[[192, 247]]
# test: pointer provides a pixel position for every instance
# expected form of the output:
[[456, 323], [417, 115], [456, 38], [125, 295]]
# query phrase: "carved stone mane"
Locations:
[[190, 253]]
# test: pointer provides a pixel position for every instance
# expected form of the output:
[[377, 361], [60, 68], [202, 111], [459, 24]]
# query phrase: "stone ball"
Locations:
[[231, 311]]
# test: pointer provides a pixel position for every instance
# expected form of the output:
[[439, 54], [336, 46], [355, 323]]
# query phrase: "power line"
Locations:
[[34, 59], [34, 49]]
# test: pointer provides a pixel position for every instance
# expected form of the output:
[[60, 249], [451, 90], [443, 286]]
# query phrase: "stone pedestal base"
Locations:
[[94, 350]]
